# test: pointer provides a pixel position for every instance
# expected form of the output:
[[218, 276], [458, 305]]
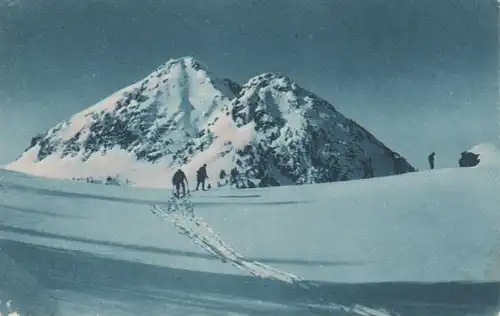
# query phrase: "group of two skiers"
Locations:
[[180, 178]]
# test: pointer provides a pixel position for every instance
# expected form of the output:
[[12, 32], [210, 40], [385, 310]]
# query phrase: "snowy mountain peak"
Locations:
[[270, 131], [186, 61], [181, 69], [272, 96], [268, 78], [269, 81], [149, 118], [300, 138]]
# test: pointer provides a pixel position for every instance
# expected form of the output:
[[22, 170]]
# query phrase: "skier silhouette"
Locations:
[[178, 181], [201, 176], [431, 159]]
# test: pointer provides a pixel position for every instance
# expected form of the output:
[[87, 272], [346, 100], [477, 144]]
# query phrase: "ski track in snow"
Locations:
[[182, 216], [180, 212]]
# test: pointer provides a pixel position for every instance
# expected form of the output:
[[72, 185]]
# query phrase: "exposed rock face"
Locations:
[[468, 159], [301, 138]]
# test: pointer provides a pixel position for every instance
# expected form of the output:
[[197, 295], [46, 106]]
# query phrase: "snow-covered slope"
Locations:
[[489, 153], [269, 131], [94, 249]]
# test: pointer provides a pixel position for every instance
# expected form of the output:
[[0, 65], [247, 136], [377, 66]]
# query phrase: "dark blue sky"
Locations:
[[421, 75]]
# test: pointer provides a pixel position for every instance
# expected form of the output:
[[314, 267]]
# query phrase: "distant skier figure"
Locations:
[[201, 176], [178, 180], [431, 159]]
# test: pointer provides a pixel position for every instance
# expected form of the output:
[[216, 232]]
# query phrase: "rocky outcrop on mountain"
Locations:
[[300, 138], [468, 159]]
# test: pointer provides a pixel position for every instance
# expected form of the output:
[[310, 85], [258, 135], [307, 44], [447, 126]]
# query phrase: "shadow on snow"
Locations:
[[158, 250], [139, 283], [76, 195]]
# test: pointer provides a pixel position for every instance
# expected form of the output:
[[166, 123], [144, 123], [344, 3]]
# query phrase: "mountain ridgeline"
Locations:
[[267, 132]]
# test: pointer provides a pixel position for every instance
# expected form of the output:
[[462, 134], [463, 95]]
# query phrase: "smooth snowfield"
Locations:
[[489, 153], [85, 249]]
